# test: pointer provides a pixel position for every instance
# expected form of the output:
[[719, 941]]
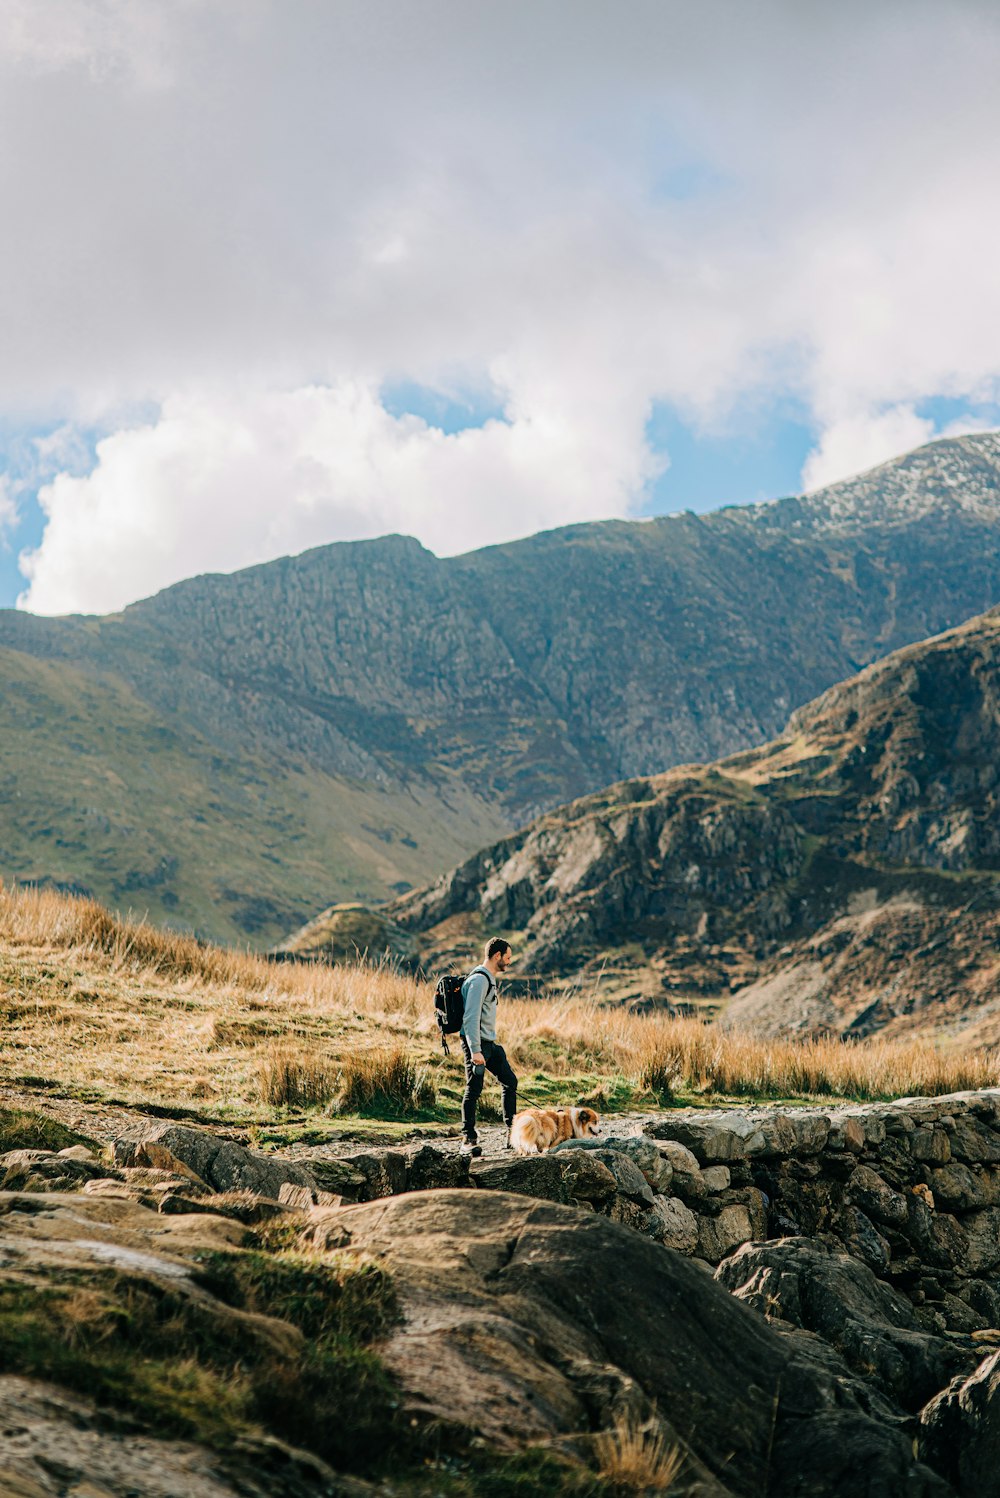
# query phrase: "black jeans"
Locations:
[[497, 1063]]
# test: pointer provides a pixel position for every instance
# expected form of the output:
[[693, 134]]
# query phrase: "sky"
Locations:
[[279, 274]]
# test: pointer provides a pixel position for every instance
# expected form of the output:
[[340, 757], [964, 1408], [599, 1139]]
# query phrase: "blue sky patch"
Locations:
[[452, 412], [944, 409], [759, 456]]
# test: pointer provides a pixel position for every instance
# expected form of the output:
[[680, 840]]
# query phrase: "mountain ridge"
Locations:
[[383, 712]]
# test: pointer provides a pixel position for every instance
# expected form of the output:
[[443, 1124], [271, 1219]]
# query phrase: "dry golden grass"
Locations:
[[288, 1080], [126, 1011], [636, 1459], [385, 1082]]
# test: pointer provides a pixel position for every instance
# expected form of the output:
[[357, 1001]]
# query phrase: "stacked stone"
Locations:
[[911, 1188]]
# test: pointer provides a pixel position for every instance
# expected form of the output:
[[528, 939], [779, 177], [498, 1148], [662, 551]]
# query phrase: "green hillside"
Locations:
[[101, 794]]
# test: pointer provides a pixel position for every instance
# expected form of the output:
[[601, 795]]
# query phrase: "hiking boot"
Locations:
[[470, 1147], [508, 1145]]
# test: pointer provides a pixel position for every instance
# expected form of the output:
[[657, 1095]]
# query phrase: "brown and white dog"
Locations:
[[538, 1129]]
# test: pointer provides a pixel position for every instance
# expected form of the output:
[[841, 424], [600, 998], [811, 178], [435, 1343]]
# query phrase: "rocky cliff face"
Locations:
[[238, 751], [845, 877]]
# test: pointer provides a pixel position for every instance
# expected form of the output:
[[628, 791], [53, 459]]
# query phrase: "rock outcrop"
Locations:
[[846, 1260], [842, 879], [960, 1430], [519, 1324], [524, 1322]]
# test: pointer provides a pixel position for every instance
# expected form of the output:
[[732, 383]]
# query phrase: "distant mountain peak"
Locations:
[[949, 474]]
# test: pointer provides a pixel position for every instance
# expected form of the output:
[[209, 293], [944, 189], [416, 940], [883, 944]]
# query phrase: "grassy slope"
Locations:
[[99, 1013], [124, 808]]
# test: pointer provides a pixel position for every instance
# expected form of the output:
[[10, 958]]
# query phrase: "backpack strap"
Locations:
[[486, 974]]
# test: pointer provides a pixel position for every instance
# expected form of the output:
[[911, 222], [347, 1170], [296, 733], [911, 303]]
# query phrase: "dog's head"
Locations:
[[587, 1123]]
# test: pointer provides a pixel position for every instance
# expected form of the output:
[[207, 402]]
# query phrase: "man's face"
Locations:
[[505, 959]]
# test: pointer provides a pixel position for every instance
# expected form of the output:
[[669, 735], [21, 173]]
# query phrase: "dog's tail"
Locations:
[[524, 1134]]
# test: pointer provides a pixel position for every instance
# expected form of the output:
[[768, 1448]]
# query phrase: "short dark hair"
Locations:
[[496, 946]]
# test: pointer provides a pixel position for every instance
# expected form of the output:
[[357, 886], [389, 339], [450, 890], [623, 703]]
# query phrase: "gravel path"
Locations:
[[108, 1121], [492, 1138]]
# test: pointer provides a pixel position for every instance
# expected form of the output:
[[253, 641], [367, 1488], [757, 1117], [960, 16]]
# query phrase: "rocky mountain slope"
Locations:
[[237, 751], [396, 1323], [845, 877]]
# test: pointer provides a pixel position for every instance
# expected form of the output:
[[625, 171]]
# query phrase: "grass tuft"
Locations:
[[385, 1082], [23, 1130], [632, 1458], [339, 1295], [188, 1367], [286, 1079], [659, 1071], [534, 1473]]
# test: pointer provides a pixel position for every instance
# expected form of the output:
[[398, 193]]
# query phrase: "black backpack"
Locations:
[[449, 1005]]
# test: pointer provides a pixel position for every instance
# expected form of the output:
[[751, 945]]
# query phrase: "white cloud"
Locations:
[[63, 450], [237, 482], [8, 509], [252, 215], [103, 39]]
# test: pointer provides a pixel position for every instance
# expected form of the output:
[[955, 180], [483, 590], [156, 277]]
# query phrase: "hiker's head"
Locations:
[[499, 954]]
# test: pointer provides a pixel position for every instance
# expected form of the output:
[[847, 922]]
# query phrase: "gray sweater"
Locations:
[[479, 1021]]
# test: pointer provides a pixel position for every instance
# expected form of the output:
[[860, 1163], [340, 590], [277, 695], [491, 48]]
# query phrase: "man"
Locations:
[[479, 1042]]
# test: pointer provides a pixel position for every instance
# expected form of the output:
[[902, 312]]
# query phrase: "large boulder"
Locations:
[[973, 1141], [711, 1141], [587, 1179], [529, 1175], [983, 1234], [862, 1239], [879, 1201], [643, 1152], [429, 1169], [681, 1160], [527, 1322], [958, 1189], [384, 1171], [226, 1166], [960, 1431], [930, 1144], [630, 1183], [940, 1240], [673, 1224], [747, 1133], [872, 1326], [727, 1221], [847, 1132]]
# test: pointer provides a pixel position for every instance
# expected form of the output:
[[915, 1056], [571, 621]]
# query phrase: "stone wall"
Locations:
[[911, 1189]]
